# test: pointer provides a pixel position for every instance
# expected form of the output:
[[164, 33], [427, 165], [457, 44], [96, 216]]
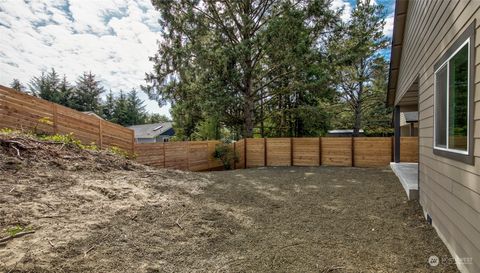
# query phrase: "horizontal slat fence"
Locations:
[[409, 149], [372, 151], [239, 147], [336, 151], [181, 155], [22, 111]]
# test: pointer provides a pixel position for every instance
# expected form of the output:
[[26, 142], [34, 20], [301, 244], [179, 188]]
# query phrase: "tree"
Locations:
[[222, 58], [120, 112], [17, 85], [156, 118], [358, 55], [47, 86], [135, 108], [65, 90], [87, 93], [108, 106]]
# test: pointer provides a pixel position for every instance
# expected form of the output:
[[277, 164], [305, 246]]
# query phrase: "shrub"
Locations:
[[226, 154]]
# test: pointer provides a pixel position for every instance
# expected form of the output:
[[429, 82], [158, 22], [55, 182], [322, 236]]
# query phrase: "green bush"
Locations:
[[226, 154]]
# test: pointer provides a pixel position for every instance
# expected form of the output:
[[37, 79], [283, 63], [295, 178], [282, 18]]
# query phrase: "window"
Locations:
[[453, 88]]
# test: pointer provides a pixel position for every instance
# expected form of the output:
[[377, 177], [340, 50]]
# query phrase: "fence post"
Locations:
[[234, 155], [245, 153], [100, 134], [265, 152], [188, 154], [291, 151], [164, 156], [353, 151], [55, 119], [319, 151]]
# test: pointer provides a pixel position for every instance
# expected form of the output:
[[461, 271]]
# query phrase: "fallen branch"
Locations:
[[51, 244], [18, 151], [178, 220], [86, 252], [20, 234]]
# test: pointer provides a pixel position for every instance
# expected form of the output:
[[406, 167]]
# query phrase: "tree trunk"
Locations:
[[249, 107], [358, 111]]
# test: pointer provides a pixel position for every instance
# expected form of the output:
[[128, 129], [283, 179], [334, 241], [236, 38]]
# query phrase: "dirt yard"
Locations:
[[92, 213]]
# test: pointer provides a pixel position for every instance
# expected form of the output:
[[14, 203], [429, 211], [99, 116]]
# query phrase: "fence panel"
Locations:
[[176, 155], [306, 151], [409, 149], [255, 152], [336, 151], [372, 151], [279, 151], [85, 128], [198, 155], [22, 111], [213, 163], [151, 154], [240, 151]]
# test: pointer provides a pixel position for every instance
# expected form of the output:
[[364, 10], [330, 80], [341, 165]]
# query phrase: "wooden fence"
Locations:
[[327, 151], [22, 111], [182, 155]]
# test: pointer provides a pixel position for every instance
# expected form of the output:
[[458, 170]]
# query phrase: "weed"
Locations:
[[12, 231]]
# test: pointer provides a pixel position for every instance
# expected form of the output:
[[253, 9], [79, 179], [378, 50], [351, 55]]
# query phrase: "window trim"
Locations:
[[466, 38]]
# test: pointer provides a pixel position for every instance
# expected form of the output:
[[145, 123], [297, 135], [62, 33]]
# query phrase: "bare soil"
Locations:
[[95, 212]]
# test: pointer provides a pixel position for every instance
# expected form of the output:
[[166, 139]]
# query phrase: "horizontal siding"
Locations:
[[449, 189]]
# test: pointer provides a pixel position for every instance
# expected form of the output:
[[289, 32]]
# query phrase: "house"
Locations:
[[155, 132], [93, 114], [434, 69], [343, 133], [409, 123]]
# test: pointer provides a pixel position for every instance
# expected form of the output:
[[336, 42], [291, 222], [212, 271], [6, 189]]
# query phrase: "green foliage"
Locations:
[[7, 131], [225, 153], [120, 152], [245, 63], [156, 118], [12, 231], [87, 94], [17, 85]]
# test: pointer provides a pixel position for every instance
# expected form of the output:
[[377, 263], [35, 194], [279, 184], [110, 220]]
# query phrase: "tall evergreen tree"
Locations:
[[223, 58], [87, 93], [120, 112], [108, 107], [65, 90], [135, 109], [47, 86], [358, 55], [17, 85]]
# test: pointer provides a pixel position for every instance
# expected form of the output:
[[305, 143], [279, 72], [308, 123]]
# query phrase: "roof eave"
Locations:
[[401, 7]]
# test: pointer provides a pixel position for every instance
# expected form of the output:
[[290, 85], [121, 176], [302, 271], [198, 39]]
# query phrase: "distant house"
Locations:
[[155, 132], [90, 113], [409, 123], [343, 133]]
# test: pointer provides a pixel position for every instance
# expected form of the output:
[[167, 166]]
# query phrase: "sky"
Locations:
[[111, 38]]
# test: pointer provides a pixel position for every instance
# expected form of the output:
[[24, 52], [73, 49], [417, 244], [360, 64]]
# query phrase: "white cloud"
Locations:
[[388, 28], [347, 8], [111, 38]]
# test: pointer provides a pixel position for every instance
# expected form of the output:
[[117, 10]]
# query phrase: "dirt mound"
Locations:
[[63, 194], [20, 151]]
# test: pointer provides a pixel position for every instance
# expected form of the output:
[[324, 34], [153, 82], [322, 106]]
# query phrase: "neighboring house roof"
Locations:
[[151, 130], [90, 113], [408, 117], [343, 131], [401, 7]]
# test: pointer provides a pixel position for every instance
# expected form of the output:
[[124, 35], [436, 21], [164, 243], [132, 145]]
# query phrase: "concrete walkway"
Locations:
[[407, 173]]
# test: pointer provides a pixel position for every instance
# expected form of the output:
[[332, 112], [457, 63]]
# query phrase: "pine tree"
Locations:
[[358, 54], [120, 112], [86, 96], [65, 92], [47, 86], [109, 106], [17, 85], [136, 108]]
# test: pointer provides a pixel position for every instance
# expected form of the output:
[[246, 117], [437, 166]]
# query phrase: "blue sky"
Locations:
[[111, 38]]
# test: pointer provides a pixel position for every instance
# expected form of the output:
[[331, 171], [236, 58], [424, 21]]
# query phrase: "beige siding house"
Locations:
[[435, 70]]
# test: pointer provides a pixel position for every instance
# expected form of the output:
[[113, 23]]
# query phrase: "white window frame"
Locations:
[[446, 63]]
